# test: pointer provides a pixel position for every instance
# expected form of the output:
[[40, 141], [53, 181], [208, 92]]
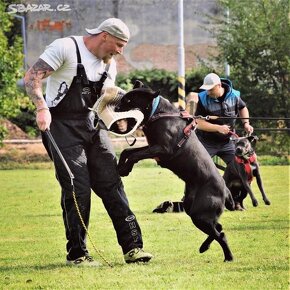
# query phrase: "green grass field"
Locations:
[[32, 240]]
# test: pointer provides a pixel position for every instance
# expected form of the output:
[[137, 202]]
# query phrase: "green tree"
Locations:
[[11, 70], [254, 40]]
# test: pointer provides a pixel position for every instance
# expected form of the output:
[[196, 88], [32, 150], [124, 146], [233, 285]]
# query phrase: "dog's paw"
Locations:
[[204, 247], [255, 202], [123, 170], [229, 259], [267, 202]]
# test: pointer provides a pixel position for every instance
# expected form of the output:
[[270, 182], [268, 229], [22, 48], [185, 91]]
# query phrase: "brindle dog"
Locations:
[[239, 172], [174, 145]]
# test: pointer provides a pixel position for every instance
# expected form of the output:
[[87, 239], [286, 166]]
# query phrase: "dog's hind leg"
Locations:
[[243, 195], [213, 234], [206, 244], [229, 201], [222, 240]]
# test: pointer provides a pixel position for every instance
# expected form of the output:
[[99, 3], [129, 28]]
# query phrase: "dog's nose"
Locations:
[[239, 150]]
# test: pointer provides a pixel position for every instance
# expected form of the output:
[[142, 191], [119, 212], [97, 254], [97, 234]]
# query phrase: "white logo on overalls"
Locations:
[[86, 91], [129, 218]]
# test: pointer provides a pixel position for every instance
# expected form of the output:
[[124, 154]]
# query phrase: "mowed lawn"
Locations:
[[32, 240]]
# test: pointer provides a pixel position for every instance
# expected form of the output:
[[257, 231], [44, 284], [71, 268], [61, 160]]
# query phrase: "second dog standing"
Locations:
[[240, 172]]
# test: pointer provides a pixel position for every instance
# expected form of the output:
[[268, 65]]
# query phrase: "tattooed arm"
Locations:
[[33, 84]]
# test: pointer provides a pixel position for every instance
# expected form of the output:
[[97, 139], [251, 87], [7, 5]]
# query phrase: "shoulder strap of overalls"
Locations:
[[107, 67], [77, 49], [80, 68], [104, 75]]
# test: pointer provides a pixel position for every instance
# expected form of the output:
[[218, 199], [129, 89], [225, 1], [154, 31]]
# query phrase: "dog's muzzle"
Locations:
[[105, 110], [239, 151]]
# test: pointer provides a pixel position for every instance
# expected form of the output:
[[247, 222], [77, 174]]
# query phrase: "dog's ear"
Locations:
[[150, 94], [156, 93], [138, 84], [253, 139]]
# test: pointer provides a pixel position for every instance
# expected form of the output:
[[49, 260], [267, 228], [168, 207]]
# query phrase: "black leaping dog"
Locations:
[[174, 145]]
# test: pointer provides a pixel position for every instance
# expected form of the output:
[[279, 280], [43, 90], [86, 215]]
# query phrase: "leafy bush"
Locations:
[[156, 79], [11, 63], [159, 79], [3, 132]]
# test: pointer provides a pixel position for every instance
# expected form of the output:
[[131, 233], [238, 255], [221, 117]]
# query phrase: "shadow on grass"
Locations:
[[253, 269], [43, 215], [261, 225], [54, 266]]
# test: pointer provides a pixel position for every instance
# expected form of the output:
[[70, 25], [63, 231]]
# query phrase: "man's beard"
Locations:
[[107, 59]]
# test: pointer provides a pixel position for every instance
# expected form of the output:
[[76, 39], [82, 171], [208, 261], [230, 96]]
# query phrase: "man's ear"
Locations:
[[138, 84]]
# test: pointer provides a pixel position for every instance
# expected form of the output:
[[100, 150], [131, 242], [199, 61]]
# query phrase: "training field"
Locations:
[[32, 240]]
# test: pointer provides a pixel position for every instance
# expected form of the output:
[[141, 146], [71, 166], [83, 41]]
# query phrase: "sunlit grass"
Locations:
[[32, 237]]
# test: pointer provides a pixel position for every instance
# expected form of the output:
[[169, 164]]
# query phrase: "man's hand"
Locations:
[[223, 129], [43, 119], [244, 113], [248, 128]]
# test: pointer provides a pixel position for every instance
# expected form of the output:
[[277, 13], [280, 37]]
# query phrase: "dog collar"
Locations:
[[155, 104], [246, 159]]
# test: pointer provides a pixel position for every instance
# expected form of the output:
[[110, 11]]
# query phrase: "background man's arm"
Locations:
[[209, 127], [244, 113]]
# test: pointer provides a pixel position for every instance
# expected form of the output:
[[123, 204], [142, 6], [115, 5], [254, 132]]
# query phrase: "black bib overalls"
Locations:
[[91, 158]]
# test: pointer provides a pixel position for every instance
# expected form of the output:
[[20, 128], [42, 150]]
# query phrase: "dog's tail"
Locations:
[[229, 202]]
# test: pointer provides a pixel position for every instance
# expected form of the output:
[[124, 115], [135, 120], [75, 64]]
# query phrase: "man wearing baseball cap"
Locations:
[[77, 68], [219, 98], [113, 26]]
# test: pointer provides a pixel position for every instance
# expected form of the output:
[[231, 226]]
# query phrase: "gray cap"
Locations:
[[113, 26], [210, 81]]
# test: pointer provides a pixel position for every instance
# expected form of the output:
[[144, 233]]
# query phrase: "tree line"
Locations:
[[253, 40]]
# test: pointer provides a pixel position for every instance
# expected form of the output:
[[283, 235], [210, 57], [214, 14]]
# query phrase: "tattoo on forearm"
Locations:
[[33, 77]]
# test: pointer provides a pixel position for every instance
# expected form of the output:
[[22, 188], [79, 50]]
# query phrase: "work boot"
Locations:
[[137, 255], [85, 261]]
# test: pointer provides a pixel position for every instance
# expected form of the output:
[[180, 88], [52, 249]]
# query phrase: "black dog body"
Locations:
[[205, 191], [240, 172]]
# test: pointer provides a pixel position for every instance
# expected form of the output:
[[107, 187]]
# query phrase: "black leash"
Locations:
[[51, 139], [133, 142], [241, 118]]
